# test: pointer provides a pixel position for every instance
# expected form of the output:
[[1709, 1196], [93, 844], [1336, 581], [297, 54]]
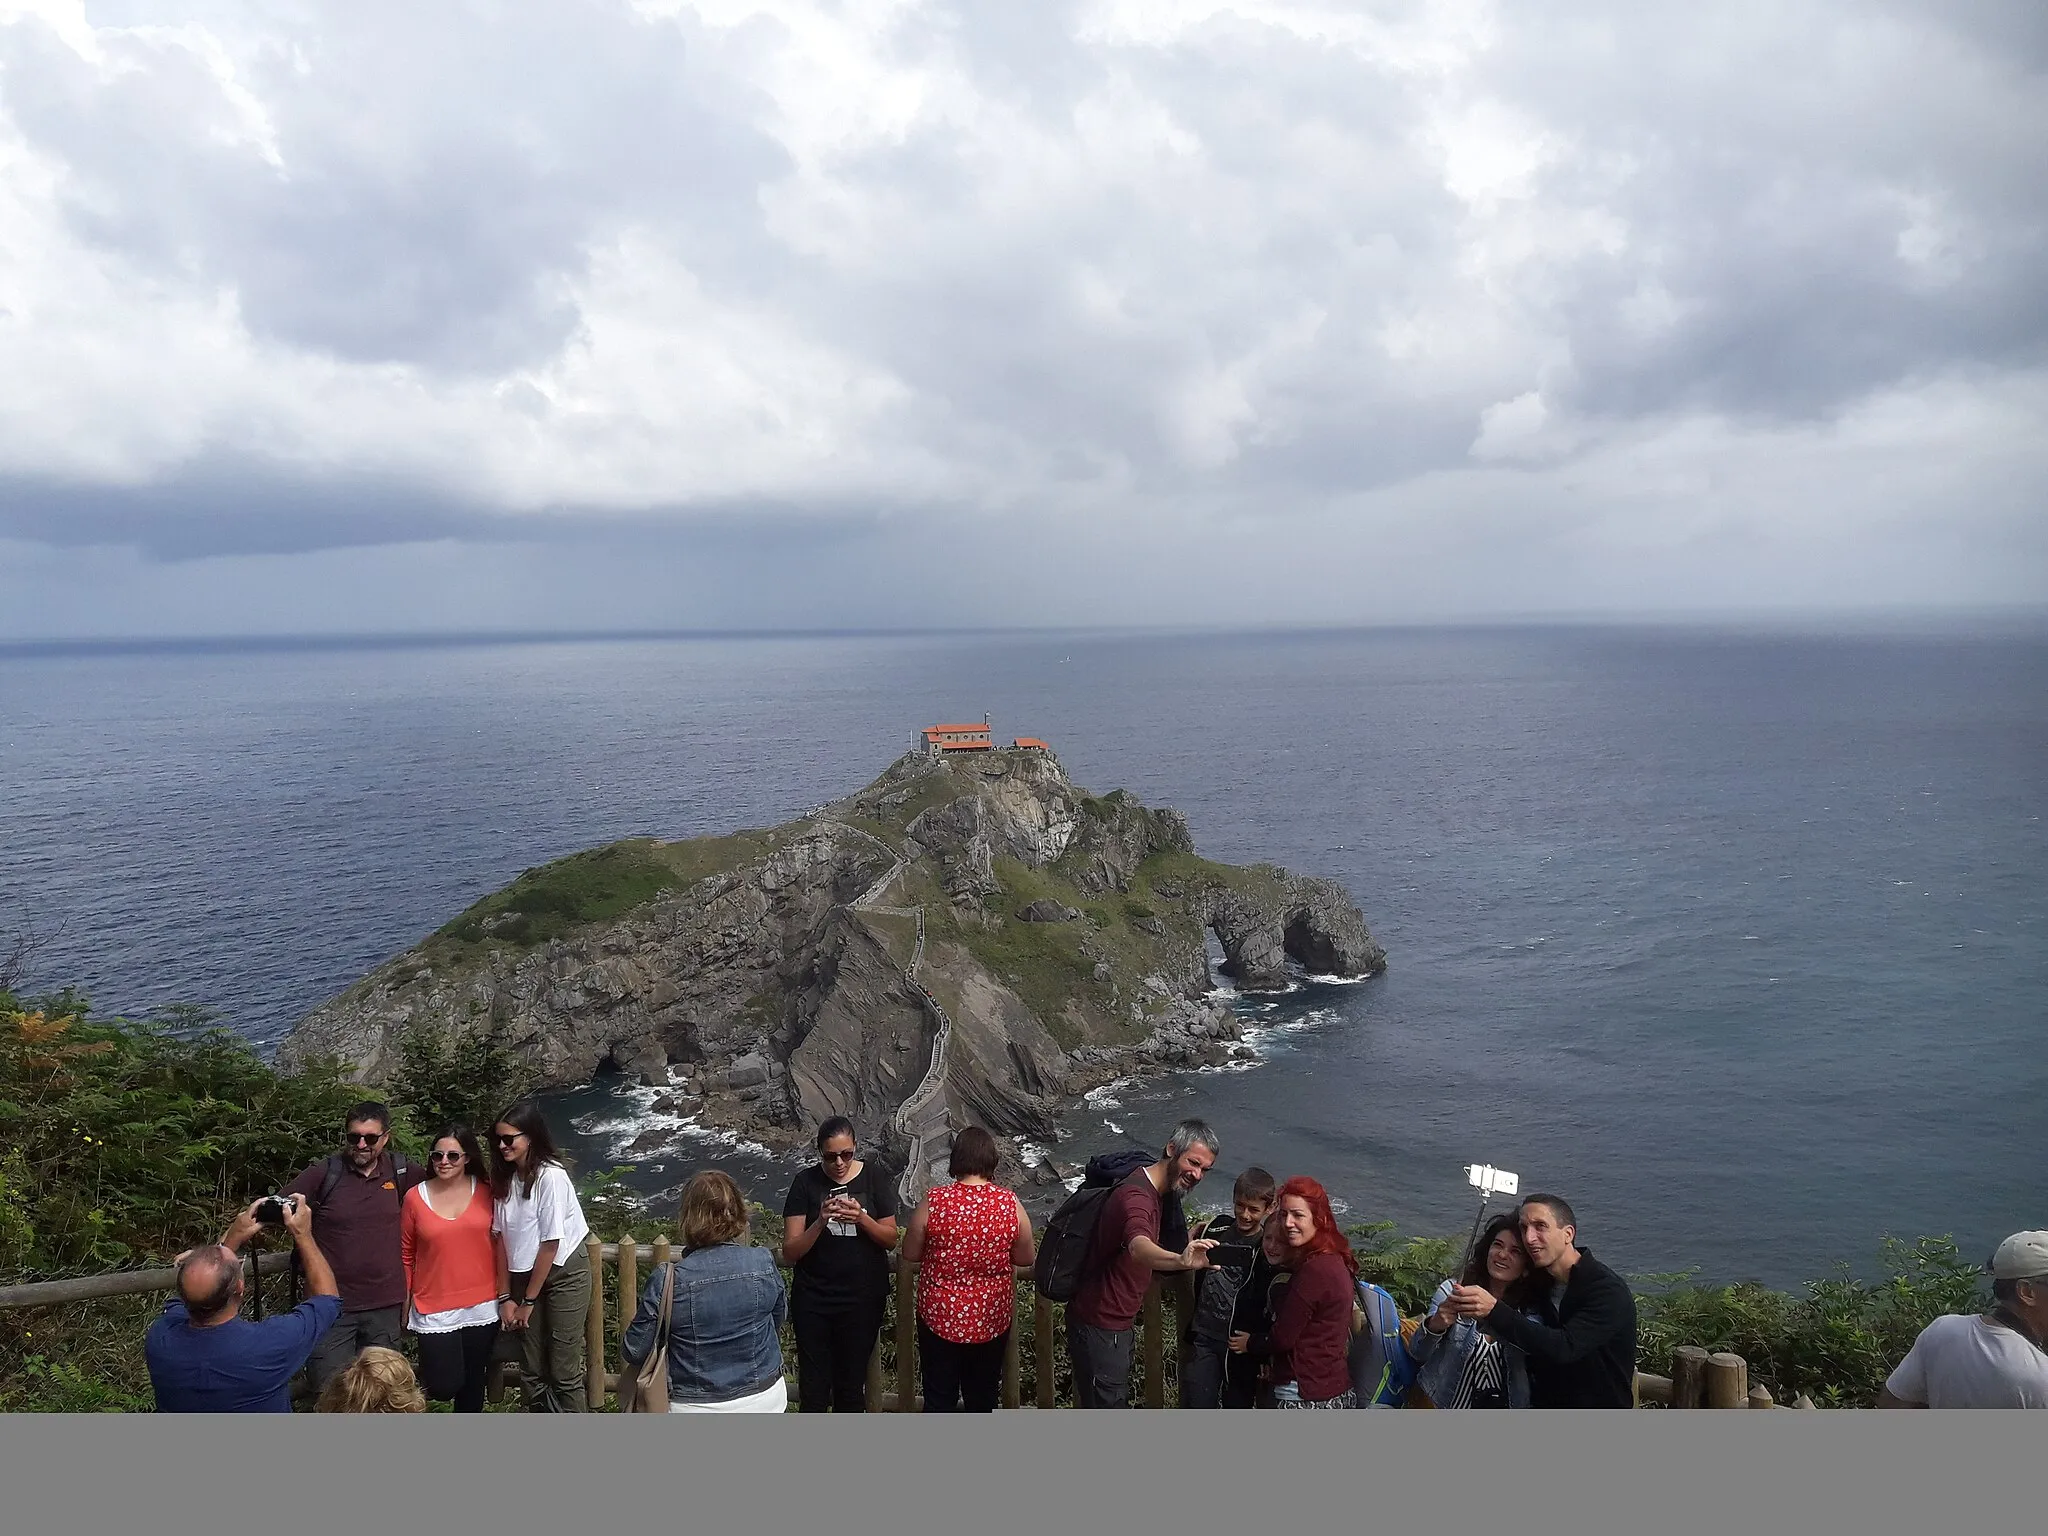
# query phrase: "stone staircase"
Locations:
[[923, 1119]]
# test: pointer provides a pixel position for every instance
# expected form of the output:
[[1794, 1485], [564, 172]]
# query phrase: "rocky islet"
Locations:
[[767, 980]]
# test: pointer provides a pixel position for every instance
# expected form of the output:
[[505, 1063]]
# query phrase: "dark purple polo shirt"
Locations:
[[357, 1230]]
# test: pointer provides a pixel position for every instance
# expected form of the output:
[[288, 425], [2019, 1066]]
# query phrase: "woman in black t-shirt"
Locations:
[[838, 1226]]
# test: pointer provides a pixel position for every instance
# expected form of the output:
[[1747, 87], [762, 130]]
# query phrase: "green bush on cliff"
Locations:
[[586, 887], [468, 1078]]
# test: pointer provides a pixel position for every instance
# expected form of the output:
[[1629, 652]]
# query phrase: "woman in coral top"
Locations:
[[451, 1270], [968, 1238]]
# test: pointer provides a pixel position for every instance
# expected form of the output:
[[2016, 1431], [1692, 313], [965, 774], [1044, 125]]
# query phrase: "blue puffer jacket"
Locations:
[[724, 1338]]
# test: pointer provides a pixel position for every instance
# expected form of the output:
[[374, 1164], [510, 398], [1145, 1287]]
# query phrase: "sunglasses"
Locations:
[[835, 1157], [512, 1140], [446, 1157], [362, 1138]]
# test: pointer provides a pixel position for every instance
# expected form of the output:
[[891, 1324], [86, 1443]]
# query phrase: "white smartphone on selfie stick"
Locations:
[[1489, 1181]]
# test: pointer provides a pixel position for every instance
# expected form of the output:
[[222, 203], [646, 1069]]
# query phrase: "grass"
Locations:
[[594, 886]]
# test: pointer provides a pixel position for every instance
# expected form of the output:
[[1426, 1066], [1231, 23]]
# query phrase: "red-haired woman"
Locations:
[[1309, 1346]]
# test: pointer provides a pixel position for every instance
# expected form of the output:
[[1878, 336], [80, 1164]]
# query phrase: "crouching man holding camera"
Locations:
[[204, 1357]]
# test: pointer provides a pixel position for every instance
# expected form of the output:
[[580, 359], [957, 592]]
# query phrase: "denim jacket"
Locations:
[[724, 1329], [1444, 1358]]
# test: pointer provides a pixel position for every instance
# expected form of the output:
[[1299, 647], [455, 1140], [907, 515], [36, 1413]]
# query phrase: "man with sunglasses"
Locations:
[[358, 1197]]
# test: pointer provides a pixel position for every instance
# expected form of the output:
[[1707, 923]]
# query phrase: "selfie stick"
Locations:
[[1489, 1181]]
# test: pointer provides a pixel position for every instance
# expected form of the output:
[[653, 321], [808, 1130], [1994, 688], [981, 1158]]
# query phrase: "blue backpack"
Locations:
[[1381, 1369]]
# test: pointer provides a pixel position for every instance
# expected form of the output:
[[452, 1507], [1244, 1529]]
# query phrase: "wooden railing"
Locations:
[[1698, 1380], [888, 1392]]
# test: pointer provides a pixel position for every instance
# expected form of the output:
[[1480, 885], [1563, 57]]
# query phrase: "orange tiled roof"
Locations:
[[1031, 741], [977, 730]]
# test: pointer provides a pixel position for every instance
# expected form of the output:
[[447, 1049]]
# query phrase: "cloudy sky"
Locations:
[[593, 314]]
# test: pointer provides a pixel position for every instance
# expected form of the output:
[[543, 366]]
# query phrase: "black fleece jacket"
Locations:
[[1588, 1358]]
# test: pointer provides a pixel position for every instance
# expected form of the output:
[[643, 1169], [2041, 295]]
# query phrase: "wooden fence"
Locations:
[[1698, 1379], [887, 1393]]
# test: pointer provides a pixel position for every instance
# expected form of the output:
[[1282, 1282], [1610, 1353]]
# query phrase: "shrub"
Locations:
[[1835, 1342], [127, 1138], [467, 1076]]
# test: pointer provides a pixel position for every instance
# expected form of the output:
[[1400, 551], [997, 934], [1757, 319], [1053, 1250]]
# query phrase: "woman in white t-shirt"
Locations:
[[544, 1289]]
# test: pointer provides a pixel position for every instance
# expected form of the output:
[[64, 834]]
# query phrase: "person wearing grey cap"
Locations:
[[1993, 1361]]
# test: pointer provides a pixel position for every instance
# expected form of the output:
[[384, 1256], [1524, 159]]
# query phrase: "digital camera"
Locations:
[[271, 1208]]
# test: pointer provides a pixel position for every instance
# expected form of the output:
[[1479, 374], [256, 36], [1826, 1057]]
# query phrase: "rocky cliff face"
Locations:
[[772, 979]]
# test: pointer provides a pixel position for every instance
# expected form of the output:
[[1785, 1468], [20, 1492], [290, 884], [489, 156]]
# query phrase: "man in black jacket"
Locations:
[[1584, 1354]]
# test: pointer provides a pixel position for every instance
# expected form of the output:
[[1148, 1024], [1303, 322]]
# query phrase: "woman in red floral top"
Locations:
[[968, 1238]]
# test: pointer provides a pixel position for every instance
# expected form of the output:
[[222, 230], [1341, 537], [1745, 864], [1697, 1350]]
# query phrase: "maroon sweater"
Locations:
[[1311, 1338]]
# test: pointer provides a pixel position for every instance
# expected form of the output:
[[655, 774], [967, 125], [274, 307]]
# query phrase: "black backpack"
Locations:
[[1062, 1262]]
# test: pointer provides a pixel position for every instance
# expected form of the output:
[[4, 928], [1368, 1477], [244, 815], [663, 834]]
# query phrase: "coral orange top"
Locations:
[[448, 1264]]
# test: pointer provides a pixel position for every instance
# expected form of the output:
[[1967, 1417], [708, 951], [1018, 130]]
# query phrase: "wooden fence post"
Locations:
[[1013, 1369], [593, 1329], [629, 1288], [1041, 1343], [1727, 1381], [906, 1336], [1183, 1333], [1688, 1375], [1760, 1397], [1155, 1354]]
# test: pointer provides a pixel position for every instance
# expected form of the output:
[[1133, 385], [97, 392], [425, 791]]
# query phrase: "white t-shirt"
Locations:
[[551, 1213], [1971, 1362]]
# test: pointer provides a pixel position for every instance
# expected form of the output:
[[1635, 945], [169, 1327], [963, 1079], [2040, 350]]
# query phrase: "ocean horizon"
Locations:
[[1736, 934]]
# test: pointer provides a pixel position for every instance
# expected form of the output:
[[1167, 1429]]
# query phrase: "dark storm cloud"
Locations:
[[228, 508], [1826, 209]]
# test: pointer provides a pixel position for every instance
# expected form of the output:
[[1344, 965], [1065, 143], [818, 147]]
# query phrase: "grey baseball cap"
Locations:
[[2023, 1256]]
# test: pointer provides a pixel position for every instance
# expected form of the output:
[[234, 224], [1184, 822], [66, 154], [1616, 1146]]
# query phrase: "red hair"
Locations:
[[1329, 1236]]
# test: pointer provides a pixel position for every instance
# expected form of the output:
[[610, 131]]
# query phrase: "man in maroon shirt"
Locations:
[[1123, 1255], [356, 1197]]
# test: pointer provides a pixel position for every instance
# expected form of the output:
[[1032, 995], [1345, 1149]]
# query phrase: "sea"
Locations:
[[1735, 936]]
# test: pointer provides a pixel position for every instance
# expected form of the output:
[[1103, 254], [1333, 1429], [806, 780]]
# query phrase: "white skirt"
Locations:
[[773, 1398]]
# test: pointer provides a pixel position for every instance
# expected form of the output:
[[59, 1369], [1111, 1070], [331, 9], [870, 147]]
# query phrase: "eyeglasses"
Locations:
[[836, 1157], [446, 1157], [513, 1140], [362, 1138]]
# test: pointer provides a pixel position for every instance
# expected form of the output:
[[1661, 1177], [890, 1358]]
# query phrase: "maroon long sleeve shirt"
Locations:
[[1311, 1337]]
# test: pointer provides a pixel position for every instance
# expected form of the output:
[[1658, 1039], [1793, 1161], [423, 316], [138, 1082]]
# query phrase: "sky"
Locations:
[[573, 314]]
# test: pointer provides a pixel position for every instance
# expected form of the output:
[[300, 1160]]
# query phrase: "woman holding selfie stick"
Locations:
[[544, 1268], [1462, 1364], [452, 1264], [838, 1226]]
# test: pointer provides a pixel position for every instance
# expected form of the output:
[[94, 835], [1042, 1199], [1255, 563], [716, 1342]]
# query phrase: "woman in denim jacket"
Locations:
[[725, 1341], [1460, 1364]]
